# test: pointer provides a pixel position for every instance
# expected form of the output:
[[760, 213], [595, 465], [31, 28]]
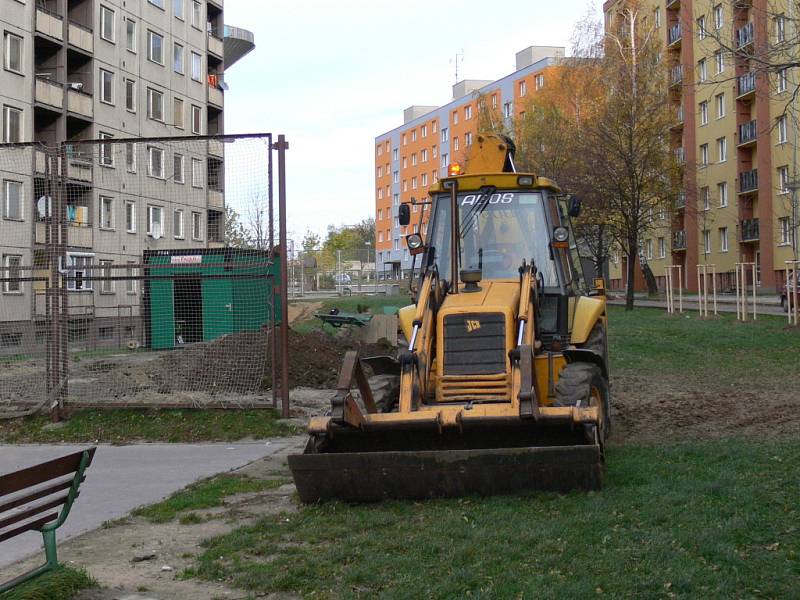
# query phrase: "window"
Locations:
[[380, 193], [720, 101], [414, 184], [523, 88], [12, 125], [494, 100], [106, 151], [783, 80], [155, 47], [196, 14], [424, 131], [413, 159], [707, 241], [197, 231], [177, 7], [158, 3], [197, 66], [468, 138], [657, 17], [12, 262], [785, 225], [718, 16], [539, 81], [177, 109], [722, 149], [780, 28], [177, 58], [445, 134], [782, 130], [507, 110], [722, 192], [704, 113], [396, 177], [106, 86], [130, 216], [130, 157], [394, 154], [155, 162], [106, 285], [405, 162], [783, 179], [702, 70], [445, 159], [197, 173], [701, 28], [197, 116], [155, 221], [107, 24], [705, 194], [719, 61], [424, 180], [433, 127], [177, 223], [455, 117], [649, 249], [413, 135], [424, 156], [662, 248], [130, 35], [435, 151], [178, 168], [80, 272], [467, 113], [380, 236], [703, 155], [106, 212], [13, 52], [155, 105], [130, 282], [12, 205], [130, 95], [723, 239], [404, 139]]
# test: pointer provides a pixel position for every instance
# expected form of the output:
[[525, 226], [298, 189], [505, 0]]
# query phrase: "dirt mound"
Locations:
[[240, 363]]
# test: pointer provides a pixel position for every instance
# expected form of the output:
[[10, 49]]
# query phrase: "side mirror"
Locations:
[[404, 214], [574, 207]]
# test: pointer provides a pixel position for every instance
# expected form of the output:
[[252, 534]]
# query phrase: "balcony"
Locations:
[[49, 93], [746, 85], [80, 103], [238, 43], [677, 120], [674, 36], [748, 230], [216, 96], [79, 169], [673, 4], [215, 148], [80, 37], [679, 240], [216, 199], [676, 76], [748, 181], [680, 202], [215, 45], [680, 156], [50, 24], [744, 37], [747, 133]]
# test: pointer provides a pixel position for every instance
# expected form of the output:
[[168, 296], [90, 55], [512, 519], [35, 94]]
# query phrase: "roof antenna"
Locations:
[[459, 57]]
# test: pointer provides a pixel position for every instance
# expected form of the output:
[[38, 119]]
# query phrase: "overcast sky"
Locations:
[[332, 76]]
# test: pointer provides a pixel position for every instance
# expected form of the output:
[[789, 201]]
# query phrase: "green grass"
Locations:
[[207, 493], [351, 304], [124, 425], [60, 584], [717, 520], [649, 341]]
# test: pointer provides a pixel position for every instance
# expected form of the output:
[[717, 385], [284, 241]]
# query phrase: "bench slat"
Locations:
[[19, 480], [32, 511], [64, 485], [33, 525]]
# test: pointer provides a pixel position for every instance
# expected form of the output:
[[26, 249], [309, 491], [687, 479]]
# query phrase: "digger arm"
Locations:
[[415, 361], [522, 363]]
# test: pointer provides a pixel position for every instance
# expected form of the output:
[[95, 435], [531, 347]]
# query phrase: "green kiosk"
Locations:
[[199, 295]]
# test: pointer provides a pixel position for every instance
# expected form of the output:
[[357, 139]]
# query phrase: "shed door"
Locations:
[[218, 308], [162, 310]]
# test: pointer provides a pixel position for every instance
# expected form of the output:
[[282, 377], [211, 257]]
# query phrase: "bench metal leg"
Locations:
[[50, 552]]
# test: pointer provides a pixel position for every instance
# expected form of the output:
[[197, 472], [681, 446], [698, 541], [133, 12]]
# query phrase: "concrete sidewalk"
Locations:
[[124, 477]]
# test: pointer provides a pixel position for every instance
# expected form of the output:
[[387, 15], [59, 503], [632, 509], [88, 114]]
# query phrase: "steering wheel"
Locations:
[[496, 256]]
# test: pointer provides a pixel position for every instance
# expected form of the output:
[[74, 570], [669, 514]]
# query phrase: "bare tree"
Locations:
[[257, 222]]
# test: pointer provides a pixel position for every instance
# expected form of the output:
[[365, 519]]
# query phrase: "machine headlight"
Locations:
[[561, 234], [414, 243]]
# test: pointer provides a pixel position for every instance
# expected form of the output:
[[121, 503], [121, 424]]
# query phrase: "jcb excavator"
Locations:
[[503, 383]]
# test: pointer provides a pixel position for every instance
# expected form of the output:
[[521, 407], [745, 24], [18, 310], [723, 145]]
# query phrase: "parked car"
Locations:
[[343, 284], [787, 294]]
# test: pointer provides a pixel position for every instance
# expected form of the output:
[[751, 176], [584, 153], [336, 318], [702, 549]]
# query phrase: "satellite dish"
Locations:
[[156, 231], [44, 206], [223, 86]]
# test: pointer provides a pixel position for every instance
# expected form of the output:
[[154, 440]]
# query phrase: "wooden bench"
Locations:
[[39, 498]]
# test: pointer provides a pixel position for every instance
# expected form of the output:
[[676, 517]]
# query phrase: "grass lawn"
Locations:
[[124, 425], [651, 341], [716, 520], [61, 584], [350, 304]]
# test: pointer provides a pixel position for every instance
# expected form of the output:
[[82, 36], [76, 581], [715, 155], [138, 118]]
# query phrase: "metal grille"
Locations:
[[474, 344]]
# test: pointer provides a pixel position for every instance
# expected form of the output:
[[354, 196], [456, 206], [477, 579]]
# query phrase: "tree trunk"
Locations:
[[631, 268]]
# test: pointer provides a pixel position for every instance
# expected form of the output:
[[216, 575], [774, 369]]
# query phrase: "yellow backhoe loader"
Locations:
[[503, 380]]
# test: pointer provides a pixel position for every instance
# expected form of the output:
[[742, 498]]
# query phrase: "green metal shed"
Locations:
[[198, 295]]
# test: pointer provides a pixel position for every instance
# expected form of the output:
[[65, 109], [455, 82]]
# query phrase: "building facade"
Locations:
[[412, 157], [82, 70], [733, 136]]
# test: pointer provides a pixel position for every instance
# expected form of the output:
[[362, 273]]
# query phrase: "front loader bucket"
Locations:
[[355, 476]]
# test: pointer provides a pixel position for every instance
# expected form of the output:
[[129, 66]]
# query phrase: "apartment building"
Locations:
[[77, 70], [731, 134], [412, 157]]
